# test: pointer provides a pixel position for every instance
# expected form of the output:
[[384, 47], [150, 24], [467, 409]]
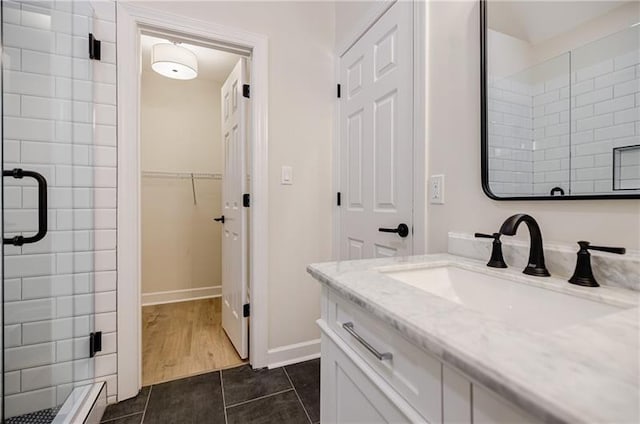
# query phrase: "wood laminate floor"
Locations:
[[184, 339]]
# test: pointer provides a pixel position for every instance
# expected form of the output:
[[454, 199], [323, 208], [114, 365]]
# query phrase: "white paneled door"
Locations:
[[234, 239], [376, 139]]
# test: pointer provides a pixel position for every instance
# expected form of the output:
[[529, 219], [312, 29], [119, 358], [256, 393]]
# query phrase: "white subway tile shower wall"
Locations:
[[510, 108], [603, 113], [551, 133], [59, 120], [627, 168]]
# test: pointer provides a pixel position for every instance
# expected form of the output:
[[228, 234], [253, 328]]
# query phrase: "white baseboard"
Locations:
[[294, 353], [173, 296]]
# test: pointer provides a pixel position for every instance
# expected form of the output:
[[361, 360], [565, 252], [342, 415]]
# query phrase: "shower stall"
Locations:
[[58, 210]]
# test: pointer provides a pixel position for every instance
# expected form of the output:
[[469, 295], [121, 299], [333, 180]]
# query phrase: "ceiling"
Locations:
[[536, 21], [212, 64]]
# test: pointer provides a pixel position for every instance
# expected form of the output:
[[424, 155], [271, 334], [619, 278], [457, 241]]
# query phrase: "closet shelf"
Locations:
[[181, 175]]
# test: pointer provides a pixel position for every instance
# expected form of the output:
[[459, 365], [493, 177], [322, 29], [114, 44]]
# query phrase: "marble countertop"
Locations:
[[586, 372]]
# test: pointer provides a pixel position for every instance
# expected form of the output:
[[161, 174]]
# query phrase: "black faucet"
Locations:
[[583, 275], [536, 266], [496, 261]]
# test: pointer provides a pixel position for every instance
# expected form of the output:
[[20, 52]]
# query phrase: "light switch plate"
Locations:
[[286, 177], [436, 189]]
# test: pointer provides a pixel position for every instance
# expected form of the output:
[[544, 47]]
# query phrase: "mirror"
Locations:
[[560, 99]]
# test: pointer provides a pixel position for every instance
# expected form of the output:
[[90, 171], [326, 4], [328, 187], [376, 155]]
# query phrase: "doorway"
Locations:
[[193, 119], [133, 21]]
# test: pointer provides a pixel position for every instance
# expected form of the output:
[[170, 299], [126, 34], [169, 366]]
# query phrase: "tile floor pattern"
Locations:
[[286, 395]]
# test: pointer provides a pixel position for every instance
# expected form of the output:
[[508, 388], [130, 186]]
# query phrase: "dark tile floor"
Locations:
[[286, 395]]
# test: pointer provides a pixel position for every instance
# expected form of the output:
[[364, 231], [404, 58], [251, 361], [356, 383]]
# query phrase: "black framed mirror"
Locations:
[[560, 93]]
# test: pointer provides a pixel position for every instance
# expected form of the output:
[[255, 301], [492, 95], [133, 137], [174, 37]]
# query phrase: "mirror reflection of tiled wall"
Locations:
[[556, 124], [626, 165]]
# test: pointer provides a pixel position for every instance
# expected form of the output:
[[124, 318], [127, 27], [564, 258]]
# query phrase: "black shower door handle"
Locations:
[[42, 206]]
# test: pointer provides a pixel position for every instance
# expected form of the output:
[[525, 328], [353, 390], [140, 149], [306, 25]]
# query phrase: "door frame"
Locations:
[[131, 21], [420, 161]]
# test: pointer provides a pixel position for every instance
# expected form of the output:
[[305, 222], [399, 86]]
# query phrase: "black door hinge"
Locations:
[[95, 343], [339, 90], [246, 310], [339, 199], [246, 90], [246, 200], [94, 47]]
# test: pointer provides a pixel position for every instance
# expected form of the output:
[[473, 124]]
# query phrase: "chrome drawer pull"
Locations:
[[348, 326]]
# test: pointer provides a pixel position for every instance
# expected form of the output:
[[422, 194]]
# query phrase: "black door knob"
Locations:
[[402, 230], [221, 219]]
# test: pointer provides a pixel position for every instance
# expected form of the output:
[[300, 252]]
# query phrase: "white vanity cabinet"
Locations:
[[371, 374]]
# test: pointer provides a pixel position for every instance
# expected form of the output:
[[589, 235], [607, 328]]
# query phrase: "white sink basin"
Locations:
[[515, 303]]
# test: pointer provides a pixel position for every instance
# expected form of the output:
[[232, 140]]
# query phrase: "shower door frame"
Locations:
[[132, 20], [73, 64]]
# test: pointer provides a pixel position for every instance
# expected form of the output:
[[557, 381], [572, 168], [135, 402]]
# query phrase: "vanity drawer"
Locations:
[[413, 373], [349, 394]]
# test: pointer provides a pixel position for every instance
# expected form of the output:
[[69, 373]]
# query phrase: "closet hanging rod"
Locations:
[[181, 175]]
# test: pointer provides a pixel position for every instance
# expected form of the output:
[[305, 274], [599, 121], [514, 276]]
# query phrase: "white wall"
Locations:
[[454, 150], [180, 132], [180, 124], [507, 55], [351, 16], [301, 95], [616, 20]]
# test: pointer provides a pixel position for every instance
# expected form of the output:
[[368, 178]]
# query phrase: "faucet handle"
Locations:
[[496, 261], [495, 236], [587, 245], [583, 274]]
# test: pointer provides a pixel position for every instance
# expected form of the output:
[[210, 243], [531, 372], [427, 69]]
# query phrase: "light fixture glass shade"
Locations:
[[173, 61]]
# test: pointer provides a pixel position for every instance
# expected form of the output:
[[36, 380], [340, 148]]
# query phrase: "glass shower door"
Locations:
[[49, 206]]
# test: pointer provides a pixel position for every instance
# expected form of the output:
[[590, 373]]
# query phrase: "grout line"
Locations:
[[110, 420], [224, 402], [258, 398], [297, 395], [146, 404], [196, 373]]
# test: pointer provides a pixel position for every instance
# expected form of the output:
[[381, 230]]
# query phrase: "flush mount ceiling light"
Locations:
[[174, 61]]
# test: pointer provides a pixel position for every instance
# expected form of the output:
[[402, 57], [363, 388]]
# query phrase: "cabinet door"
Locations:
[[348, 395], [456, 397], [489, 408]]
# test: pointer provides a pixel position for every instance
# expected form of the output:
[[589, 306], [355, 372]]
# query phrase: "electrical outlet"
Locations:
[[436, 192]]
